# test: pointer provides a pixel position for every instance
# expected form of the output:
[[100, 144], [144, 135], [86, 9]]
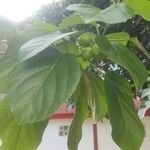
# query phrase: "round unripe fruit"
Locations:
[[87, 53], [95, 50], [85, 40]]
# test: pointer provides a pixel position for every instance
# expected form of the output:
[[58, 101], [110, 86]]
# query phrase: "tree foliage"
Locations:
[[45, 65]]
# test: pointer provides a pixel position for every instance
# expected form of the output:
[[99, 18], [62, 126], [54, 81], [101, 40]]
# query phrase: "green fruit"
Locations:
[[95, 50], [85, 40], [87, 53]]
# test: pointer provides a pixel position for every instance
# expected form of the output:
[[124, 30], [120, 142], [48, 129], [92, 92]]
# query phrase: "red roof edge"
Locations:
[[62, 116], [63, 113], [147, 114]]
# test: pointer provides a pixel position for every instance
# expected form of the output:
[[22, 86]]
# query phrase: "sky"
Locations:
[[18, 10]]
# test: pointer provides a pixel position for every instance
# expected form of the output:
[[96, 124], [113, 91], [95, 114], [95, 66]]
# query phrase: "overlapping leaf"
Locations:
[[75, 133], [121, 37], [39, 87], [6, 66], [121, 55], [127, 129], [16, 137], [70, 21], [68, 47], [116, 13], [37, 45], [140, 7], [38, 29], [90, 92], [96, 97], [84, 10], [11, 57], [136, 43]]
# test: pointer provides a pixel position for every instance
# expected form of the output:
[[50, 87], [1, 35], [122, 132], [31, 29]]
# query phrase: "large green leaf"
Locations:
[[140, 7], [121, 55], [8, 61], [90, 92], [96, 97], [39, 87], [6, 66], [37, 45], [38, 29], [75, 133], [84, 10], [11, 57], [121, 37], [15, 137], [70, 21], [116, 13], [127, 129]]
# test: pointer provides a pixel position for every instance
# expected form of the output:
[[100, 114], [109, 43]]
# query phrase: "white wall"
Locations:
[[104, 136], [51, 139], [146, 144], [106, 143]]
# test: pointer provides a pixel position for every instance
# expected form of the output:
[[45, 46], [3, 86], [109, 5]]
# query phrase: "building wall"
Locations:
[[146, 143], [106, 143], [52, 140]]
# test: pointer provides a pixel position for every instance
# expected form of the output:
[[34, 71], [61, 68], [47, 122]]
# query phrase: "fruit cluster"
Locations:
[[88, 47]]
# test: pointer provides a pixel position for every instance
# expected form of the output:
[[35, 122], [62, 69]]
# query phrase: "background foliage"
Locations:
[[94, 54]]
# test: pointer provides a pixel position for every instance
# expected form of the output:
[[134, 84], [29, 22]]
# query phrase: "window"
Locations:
[[63, 130]]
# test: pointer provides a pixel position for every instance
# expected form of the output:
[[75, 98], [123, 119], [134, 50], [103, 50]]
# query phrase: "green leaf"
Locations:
[[40, 86], [38, 29], [37, 45], [121, 37], [84, 64], [75, 133], [15, 137], [136, 42], [116, 13], [96, 97], [11, 57], [121, 55], [70, 21], [84, 10], [6, 66], [140, 7], [127, 129], [8, 61], [68, 47], [89, 91]]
